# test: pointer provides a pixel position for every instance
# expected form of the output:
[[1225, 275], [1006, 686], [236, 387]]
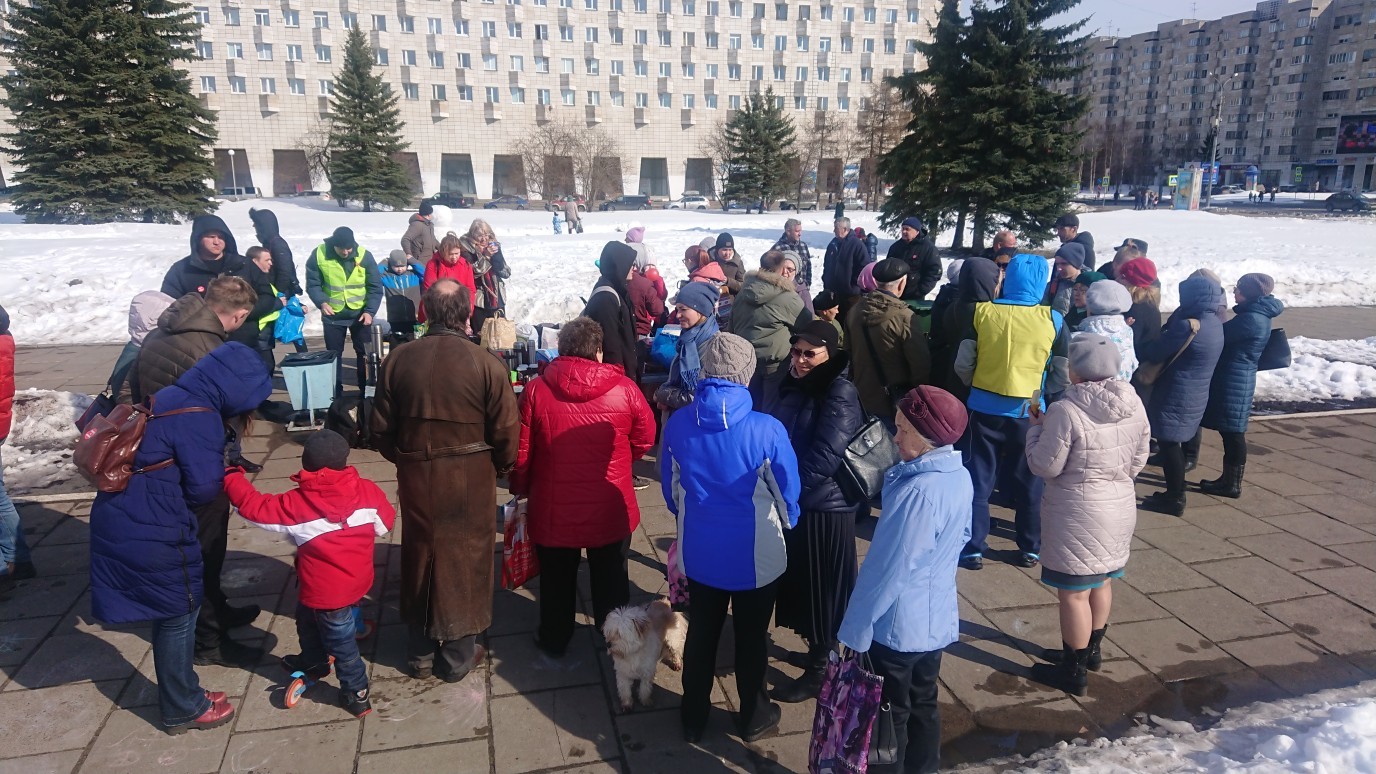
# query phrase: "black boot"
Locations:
[[809, 684], [1068, 674], [1227, 485], [1096, 657], [1191, 462], [1169, 503]]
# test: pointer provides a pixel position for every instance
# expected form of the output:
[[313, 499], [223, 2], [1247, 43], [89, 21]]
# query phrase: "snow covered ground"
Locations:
[[1330, 732], [1323, 371], [72, 284], [38, 451]]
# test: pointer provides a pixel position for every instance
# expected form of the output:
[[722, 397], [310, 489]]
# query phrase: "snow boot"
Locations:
[[1096, 657], [1169, 503], [1068, 674], [1227, 485], [809, 684]]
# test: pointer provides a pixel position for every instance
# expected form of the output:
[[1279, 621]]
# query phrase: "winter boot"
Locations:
[[1068, 674], [1191, 461], [1169, 503], [1096, 658], [809, 684], [1227, 485]]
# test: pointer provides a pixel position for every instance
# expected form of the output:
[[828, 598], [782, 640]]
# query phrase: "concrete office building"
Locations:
[[1291, 83], [476, 75]]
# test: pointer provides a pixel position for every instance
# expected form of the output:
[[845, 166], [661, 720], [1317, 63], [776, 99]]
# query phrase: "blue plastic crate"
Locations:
[[310, 378]]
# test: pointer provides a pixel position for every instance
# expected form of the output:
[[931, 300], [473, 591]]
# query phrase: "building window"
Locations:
[[380, 57], [821, 104], [205, 49], [733, 72], [780, 42], [489, 29], [688, 101], [618, 99], [434, 26], [513, 29], [891, 16], [733, 102], [264, 52], [267, 85], [866, 74], [202, 16], [234, 51], [569, 97], [590, 5], [379, 22], [291, 18], [843, 104], [542, 96], [296, 86], [566, 65], [847, 14], [237, 85], [463, 60], [207, 84], [666, 6], [690, 7], [847, 45], [618, 35], [870, 15], [642, 37], [618, 67], [867, 45], [542, 32], [641, 6], [322, 20], [437, 60], [566, 33], [294, 53], [780, 72], [408, 24], [465, 93], [541, 64], [733, 41], [710, 39], [826, 13], [800, 103], [913, 15], [665, 69], [642, 68], [489, 62], [350, 20], [592, 67], [326, 87], [823, 73], [800, 74], [438, 92], [711, 73], [517, 63], [642, 99], [232, 17], [757, 72], [262, 17], [824, 44], [757, 41], [758, 12], [410, 91], [713, 8], [590, 35], [666, 100], [518, 95], [666, 38], [408, 58], [845, 75], [709, 101], [890, 46], [494, 95], [595, 98]]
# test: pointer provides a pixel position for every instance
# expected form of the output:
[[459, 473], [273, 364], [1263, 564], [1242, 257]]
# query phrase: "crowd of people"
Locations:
[[1041, 385]]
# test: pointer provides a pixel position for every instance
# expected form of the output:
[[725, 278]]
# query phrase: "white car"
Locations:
[[688, 203], [853, 204]]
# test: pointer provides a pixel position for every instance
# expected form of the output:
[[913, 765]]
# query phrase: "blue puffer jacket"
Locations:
[[821, 413], [1235, 377], [905, 597], [730, 476], [145, 558], [1181, 392]]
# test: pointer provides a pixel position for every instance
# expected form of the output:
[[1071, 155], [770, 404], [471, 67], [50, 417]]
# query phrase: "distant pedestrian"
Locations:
[[915, 248], [1068, 230], [419, 242], [573, 219], [342, 279], [724, 253], [846, 255], [792, 242]]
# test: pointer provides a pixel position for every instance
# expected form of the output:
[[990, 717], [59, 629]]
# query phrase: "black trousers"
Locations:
[[334, 342], [1172, 454], [910, 690], [453, 658], [608, 575], [1234, 447], [213, 532], [750, 614]]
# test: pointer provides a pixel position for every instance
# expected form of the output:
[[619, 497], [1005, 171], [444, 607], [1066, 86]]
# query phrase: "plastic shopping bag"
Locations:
[[291, 323], [846, 709], [678, 582], [519, 563]]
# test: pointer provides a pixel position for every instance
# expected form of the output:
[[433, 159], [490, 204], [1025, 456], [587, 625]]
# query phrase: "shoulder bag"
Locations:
[[867, 457], [1148, 373], [1276, 355]]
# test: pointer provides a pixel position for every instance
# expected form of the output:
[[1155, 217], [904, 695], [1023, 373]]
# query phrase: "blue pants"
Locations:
[[325, 633], [13, 547], [180, 696], [993, 449]]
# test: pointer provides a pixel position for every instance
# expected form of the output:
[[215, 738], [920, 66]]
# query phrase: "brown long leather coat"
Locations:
[[446, 416]]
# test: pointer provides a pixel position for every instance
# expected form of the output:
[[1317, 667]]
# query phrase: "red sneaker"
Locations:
[[220, 713]]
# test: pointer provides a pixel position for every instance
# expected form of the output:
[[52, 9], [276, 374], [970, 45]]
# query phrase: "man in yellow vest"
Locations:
[[342, 279], [1015, 349]]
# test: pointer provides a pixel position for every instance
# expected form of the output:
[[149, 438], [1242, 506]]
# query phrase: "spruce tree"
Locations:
[[762, 157], [365, 133], [106, 127]]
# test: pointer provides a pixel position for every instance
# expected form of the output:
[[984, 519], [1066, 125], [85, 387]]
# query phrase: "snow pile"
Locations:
[[72, 284], [1331, 732], [38, 452], [1323, 370]]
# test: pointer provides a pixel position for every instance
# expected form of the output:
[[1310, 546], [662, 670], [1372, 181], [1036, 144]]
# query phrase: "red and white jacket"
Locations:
[[333, 517]]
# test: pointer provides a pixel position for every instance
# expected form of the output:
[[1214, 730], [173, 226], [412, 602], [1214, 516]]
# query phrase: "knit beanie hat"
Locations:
[[953, 270], [343, 238], [1087, 278], [397, 258], [325, 449], [1139, 272], [426, 209], [728, 356], [1107, 298], [635, 234], [1072, 253], [1254, 286], [701, 297], [824, 301], [935, 413], [708, 243], [914, 224], [1094, 358], [724, 240]]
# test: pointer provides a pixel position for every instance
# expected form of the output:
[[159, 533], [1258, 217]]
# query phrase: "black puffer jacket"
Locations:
[[822, 413], [924, 267], [193, 274], [283, 266], [187, 331], [612, 309]]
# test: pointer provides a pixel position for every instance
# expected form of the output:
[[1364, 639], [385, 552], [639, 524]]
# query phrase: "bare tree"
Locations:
[[715, 148], [880, 125], [827, 136], [599, 165], [542, 143], [316, 145]]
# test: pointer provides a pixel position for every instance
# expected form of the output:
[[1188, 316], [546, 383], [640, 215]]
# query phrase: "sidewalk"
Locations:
[[1241, 600]]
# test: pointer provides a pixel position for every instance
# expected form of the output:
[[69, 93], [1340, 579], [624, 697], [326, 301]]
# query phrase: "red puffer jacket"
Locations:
[[333, 517], [6, 384], [582, 425]]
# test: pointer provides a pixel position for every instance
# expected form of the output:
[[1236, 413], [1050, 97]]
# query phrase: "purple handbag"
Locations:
[[846, 709]]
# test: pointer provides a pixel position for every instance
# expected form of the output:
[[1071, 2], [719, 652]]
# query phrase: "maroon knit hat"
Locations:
[[1139, 272], [935, 413]]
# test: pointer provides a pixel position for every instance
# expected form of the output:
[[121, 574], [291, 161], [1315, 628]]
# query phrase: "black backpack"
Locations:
[[351, 416]]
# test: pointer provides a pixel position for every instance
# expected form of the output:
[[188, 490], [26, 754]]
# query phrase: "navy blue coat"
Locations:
[[1180, 394], [821, 413], [1235, 376], [145, 558]]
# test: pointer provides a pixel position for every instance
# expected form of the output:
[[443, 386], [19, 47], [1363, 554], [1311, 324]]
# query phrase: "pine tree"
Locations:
[[106, 127], [365, 133], [762, 156]]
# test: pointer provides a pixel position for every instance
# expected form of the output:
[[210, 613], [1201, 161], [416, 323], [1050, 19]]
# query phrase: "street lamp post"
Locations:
[[233, 174], [1212, 162]]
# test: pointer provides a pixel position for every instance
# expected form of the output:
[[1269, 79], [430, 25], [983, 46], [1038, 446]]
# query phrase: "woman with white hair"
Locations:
[[490, 272]]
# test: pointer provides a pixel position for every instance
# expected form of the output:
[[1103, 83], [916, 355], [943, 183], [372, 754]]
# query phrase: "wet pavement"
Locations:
[[1241, 600]]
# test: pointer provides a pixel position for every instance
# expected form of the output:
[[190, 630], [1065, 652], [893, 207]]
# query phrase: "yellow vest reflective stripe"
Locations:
[[1013, 343], [271, 317], [344, 291]]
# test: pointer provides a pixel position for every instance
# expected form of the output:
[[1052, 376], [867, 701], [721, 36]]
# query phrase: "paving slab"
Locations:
[[1190, 544], [64, 717], [47, 763], [1001, 585], [1226, 521], [546, 729], [1291, 552], [1319, 529], [71, 658], [520, 667], [407, 712], [1218, 613], [1341, 507], [1172, 650], [132, 740], [1361, 553], [1354, 584], [1294, 663], [1154, 571], [1257, 580], [456, 756], [326, 749], [1333, 622]]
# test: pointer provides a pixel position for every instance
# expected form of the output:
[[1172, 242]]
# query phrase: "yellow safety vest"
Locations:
[[1013, 344], [344, 291], [271, 317]]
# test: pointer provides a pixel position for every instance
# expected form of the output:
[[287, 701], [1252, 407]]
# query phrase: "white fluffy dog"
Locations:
[[639, 638]]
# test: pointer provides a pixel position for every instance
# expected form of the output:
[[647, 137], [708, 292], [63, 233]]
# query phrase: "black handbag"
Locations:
[[883, 737], [867, 457], [1276, 353]]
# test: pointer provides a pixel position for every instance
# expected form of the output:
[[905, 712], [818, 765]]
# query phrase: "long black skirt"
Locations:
[[816, 587]]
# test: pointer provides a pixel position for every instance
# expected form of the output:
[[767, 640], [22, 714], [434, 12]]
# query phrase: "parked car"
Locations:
[[785, 204], [508, 202], [1346, 200], [627, 202], [853, 204], [452, 199], [688, 203], [552, 204], [314, 194]]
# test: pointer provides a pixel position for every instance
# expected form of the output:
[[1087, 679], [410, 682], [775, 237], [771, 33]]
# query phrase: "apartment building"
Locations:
[[1292, 85], [476, 75]]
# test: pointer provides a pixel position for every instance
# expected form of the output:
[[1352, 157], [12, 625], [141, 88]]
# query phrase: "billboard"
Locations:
[[1357, 134]]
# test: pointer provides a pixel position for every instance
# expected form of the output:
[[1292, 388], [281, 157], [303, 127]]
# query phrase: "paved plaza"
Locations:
[[1241, 600]]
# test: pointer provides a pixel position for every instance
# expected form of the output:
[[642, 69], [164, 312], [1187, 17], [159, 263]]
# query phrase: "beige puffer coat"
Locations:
[[1088, 448]]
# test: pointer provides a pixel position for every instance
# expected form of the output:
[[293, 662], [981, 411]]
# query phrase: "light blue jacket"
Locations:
[[731, 477], [905, 597]]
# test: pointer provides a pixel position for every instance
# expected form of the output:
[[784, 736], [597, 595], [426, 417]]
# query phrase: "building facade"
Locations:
[[1291, 84], [476, 76]]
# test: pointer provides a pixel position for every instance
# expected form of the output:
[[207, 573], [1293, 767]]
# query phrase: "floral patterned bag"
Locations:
[[846, 709], [678, 582]]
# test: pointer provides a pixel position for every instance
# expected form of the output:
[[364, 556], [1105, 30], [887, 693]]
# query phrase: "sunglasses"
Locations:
[[807, 354]]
